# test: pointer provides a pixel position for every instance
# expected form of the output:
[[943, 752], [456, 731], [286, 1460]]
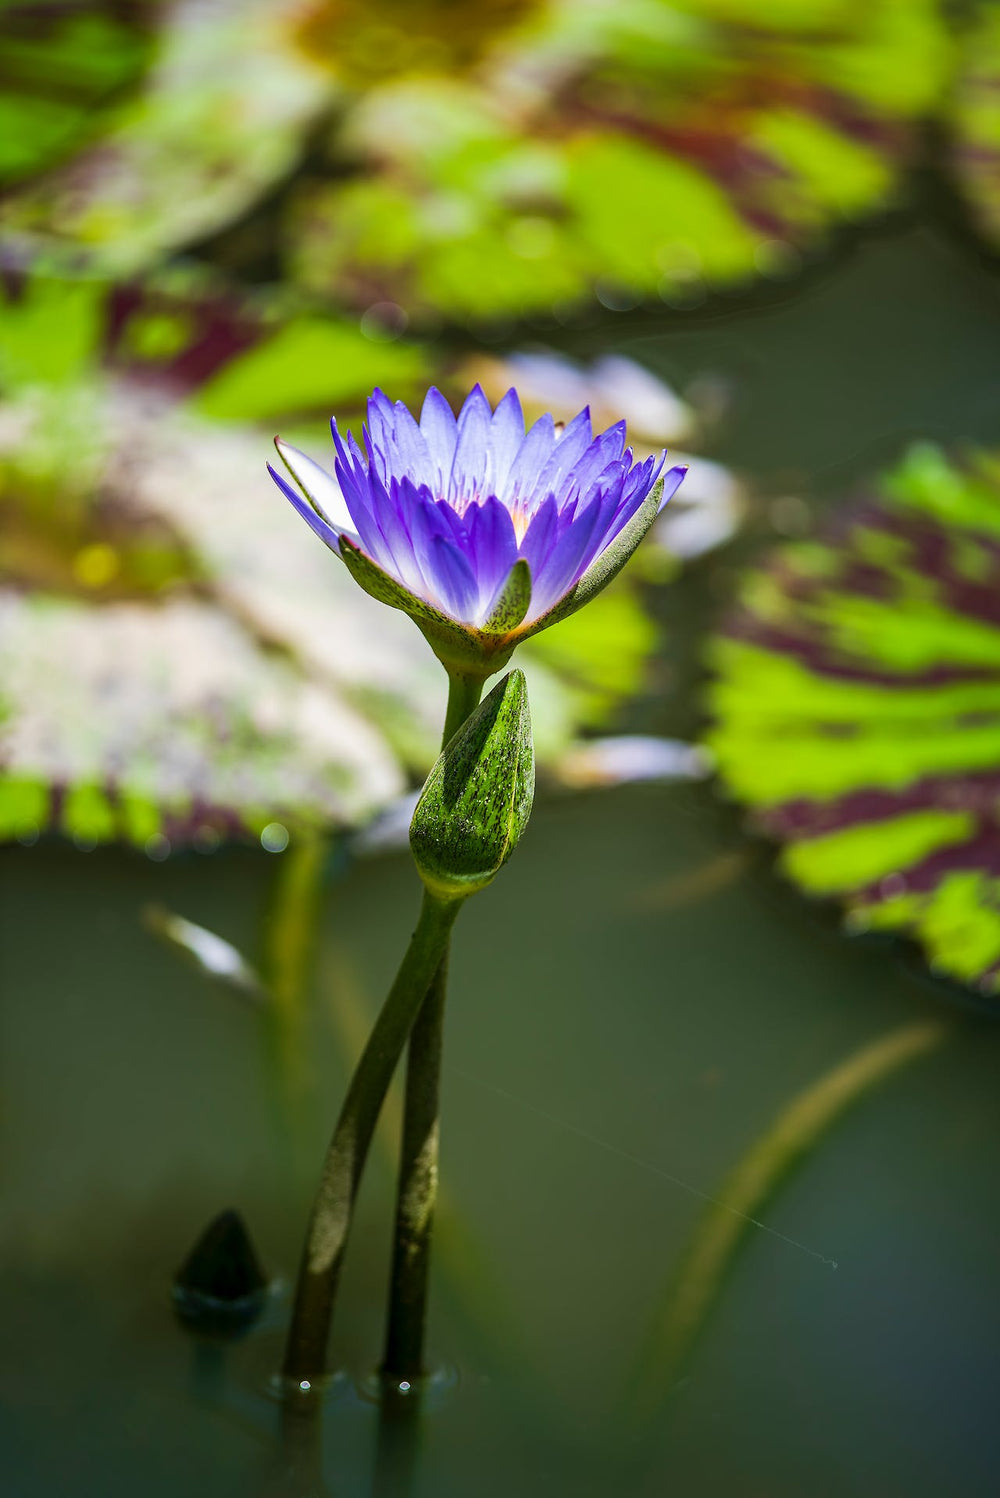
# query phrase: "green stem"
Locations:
[[695, 1289], [464, 696], [326, 1240], [403, 1361]]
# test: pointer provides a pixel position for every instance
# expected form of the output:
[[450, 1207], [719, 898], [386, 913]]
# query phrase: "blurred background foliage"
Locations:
[[218, 216], [476, 162]]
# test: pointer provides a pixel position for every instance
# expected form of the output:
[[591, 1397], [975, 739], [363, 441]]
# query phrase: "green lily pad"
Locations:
[[856, 709], [973, 122], [60, 65], [220, 118], [515, 159], [637, 149]]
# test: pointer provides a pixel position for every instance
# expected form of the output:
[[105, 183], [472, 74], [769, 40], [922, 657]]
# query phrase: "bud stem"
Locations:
[[403, 1361], [326, 1240]]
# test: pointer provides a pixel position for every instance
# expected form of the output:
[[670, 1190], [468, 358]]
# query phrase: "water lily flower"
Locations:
[[483, 533]]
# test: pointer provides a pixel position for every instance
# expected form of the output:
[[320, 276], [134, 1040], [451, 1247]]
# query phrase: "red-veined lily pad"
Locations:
[[639, 149], [856, 709], [973, 121], [61, 63], [511, 160], [220, 118]]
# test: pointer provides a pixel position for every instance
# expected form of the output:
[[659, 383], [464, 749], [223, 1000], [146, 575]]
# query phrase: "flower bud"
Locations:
[[477, 798]]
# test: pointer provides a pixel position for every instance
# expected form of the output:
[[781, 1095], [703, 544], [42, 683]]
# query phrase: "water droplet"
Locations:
[[383, 322], [158, 847], [274, 837]]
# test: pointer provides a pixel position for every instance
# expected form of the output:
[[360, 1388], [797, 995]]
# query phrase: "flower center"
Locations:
[[521, 520]]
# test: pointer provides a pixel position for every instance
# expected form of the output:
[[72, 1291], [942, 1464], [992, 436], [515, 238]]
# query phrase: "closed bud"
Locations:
[[477, 799]]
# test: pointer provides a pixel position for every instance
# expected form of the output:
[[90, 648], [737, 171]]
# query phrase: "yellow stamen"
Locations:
[[521, 522]]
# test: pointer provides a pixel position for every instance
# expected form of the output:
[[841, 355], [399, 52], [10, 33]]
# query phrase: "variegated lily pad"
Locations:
[[973, 121], [498, 159], [856, 708], [639, 149], [60, 64], [172, 633], [221, 117], [166, 724]]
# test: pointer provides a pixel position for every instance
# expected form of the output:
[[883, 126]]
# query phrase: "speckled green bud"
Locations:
[[477, 799]]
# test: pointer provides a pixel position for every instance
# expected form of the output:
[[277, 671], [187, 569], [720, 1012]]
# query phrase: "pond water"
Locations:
[[635, 1005]]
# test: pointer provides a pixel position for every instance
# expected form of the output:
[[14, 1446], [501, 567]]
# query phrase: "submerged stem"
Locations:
[[329, 1225], [403, 1360], [695, 1288]]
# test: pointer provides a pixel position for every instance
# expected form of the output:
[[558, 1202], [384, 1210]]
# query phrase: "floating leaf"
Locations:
[[973, 121], [146, 723], [220, 118], [503, 158], [634, 149], [857, 709], [59, 65]]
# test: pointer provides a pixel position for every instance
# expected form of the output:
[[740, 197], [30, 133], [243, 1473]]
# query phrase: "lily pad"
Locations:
[[220, 119], [514, 158], [632, 149], [973, 122], [60, 64], [169, 724], [856, 708]]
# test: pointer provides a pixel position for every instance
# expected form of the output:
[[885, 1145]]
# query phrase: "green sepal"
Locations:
[[458, 647], [606, 567], [477, 799], [513, 603]]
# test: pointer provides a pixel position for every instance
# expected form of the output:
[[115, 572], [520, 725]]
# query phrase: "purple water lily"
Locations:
[[482, 532]]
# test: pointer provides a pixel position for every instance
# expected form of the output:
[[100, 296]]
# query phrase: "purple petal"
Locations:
[[531, 458], [411, 455], [568, 451], [454, 522], [568, 559], [396, 544], [323, 529], [632, 502], [672, 481], [506, 436], [381, 415], [540, 537], [602, 452], [492, 544], [455, 589], [437, 422], [468, 470], [427, 524]]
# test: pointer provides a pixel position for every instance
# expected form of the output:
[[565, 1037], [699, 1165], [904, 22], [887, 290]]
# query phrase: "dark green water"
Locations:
[[634, 1003]]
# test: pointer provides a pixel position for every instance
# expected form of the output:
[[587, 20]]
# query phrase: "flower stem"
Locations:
[[403, 1360], [464, 696], [329, 1225]]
